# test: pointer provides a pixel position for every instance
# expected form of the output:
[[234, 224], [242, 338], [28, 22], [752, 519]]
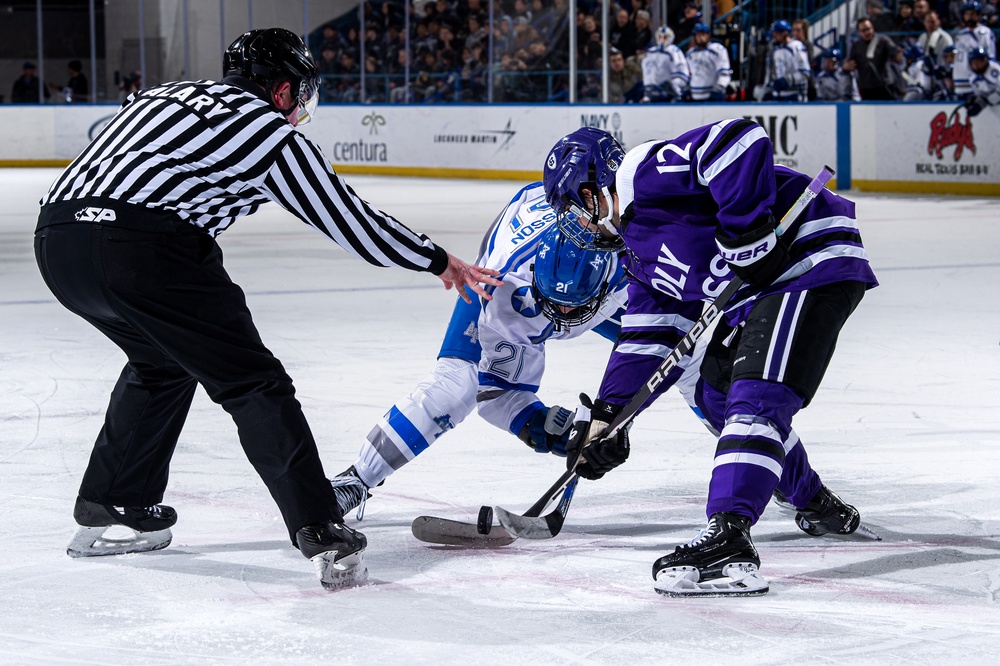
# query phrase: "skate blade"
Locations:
[[337, 574], [741, 579], [92, 542], [866, 532]]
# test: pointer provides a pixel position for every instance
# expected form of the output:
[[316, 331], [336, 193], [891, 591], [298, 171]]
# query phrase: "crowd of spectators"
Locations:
[[449, 58], [449, 41]]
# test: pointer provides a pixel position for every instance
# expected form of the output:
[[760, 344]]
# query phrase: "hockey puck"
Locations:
[[485, 522]]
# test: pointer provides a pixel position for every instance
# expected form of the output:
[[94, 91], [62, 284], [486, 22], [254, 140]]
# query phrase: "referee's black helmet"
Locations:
[[273, 55]]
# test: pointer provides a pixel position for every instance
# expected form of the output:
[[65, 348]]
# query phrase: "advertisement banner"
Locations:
[[511, 141], [928, 148]]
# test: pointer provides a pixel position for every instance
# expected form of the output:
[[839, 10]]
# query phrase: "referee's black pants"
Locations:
[[167, 301]]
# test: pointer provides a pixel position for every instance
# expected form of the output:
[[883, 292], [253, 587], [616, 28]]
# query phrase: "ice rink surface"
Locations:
[[906, 426]]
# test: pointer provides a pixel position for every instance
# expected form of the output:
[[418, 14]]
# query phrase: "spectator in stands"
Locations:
[[870, 59], [882, 21], [333, 38], [624, 78], [376, 87], [934, 40], [589, 46], [348, 81], [800, 31], [619, 30], [76, 89], [476, 31], [643, 31], [473, 74], [685, 26], [906, 22], [25, 89], [833, 84], [920, 9], [328, 67], [447, 39]]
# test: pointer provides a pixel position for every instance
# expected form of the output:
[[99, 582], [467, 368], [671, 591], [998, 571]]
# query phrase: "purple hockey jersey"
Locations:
[[673, 196]]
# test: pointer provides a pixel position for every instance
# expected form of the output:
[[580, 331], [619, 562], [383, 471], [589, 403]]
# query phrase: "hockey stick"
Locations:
[[686, 344], [443, 531]]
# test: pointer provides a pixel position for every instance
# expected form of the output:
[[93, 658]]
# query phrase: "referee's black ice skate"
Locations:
[[150, 528], [351, 492], [337, 552], [721, 561]]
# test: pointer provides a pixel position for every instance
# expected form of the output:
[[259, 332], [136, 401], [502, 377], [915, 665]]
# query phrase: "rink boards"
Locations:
[[921, 147]]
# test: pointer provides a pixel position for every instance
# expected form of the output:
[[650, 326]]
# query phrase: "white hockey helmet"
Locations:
[[664, 36]]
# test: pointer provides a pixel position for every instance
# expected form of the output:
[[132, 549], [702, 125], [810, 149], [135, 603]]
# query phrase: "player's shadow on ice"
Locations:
[[911, 552]]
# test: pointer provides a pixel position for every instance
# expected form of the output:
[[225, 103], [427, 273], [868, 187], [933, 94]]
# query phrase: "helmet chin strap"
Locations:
[[605, 222]]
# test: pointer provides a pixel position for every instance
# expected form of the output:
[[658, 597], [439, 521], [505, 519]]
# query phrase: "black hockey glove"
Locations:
[[759, 256], [603, 455], [547, 431], [975, 105]]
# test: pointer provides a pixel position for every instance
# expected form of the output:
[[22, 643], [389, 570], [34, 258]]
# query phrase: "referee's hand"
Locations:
[[461, 275]]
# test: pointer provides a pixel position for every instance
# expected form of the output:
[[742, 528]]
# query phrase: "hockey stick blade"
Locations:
[[539, 527], [445, 532]]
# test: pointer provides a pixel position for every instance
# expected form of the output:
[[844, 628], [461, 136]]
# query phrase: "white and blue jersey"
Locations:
[[968, 40], [493, 353], [710, 71], [987, 84], [665, 72], [790, 62]]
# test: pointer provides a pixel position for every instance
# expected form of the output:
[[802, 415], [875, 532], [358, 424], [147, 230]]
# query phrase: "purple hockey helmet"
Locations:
[[584, 159]]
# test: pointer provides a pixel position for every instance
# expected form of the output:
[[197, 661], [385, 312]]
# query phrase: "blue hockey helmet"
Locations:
[[586, 158], [972, 7], [913, 52], [834, 54], [781, 26], [948, 49], [570, 282], [700, 27], [977, 53]]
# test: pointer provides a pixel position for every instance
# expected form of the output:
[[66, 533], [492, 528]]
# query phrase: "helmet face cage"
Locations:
[[587, 158], [272, 55], [570, 283]]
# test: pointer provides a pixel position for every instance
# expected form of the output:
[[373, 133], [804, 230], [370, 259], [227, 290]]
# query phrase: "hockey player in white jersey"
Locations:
[[973, 36], [708, 62], [788, 69], [919, 75], [493, 353], [985, 82], [665, 73], [833, 84]]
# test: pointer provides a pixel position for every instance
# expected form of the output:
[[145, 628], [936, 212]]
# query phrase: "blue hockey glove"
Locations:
[[599, 456], [547, 431], [780, 84], [759, 256]]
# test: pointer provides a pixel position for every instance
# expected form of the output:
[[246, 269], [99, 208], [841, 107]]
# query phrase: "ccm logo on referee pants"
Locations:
[[95, 215]]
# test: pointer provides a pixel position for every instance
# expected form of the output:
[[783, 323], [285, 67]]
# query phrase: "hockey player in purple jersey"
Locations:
[[692, 212]]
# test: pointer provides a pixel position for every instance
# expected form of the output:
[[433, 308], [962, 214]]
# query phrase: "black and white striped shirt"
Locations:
[[210, 152]]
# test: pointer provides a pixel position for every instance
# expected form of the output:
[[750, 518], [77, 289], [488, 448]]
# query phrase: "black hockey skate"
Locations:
[[351, 492], [337, 552], [150, 528], [826, 513], [721, 561]]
